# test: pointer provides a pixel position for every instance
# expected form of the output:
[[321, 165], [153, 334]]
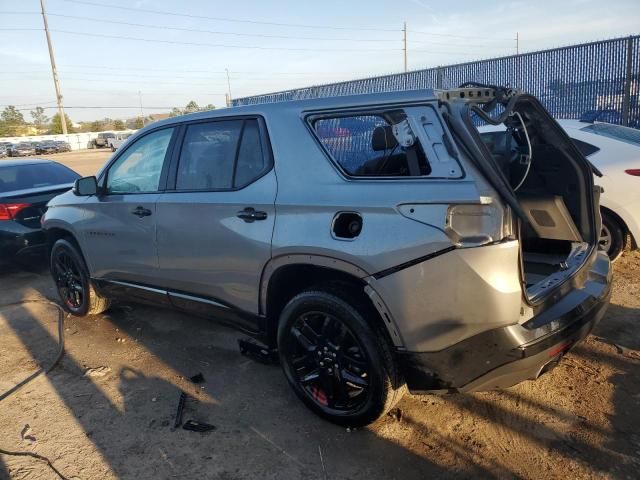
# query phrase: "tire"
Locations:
[[365, 385], [113, 149], [71, 277], [612, 238]]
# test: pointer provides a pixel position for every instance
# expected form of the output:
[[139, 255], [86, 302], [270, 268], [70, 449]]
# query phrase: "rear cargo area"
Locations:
[[552, 184]]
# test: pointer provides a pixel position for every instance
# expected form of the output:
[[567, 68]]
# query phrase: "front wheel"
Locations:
[[337, 363], [72, 281]]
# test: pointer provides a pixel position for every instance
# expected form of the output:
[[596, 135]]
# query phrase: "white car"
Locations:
[[117, 141], [615, 151]]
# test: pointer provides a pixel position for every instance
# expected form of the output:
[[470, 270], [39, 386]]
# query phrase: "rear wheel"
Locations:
[[72, 281], [340, 366], [612, 237]]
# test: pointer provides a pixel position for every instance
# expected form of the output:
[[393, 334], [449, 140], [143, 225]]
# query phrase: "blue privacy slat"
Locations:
[[568, 80]]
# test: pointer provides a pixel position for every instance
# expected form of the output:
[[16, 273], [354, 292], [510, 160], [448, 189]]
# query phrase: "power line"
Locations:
[[258, 47], [221, 72], [39, 76], [197, 30], [421, 42], [106, 107], [228, 19], [35, 104], [218, 32], [455, 36], [220, 45]]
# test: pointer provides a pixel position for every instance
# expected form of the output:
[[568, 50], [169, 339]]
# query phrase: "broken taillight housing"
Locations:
[[8, 211], [478, 224]]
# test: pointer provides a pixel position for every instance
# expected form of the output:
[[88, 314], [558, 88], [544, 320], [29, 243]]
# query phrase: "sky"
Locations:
[[124, 53]]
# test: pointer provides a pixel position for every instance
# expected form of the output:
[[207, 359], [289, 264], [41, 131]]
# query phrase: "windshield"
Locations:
[[617, 132], [34, 175]]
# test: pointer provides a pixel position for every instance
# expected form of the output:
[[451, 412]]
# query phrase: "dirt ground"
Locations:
[[106, 411]]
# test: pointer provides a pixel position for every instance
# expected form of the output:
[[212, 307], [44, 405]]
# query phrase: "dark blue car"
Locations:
[[25, 188]]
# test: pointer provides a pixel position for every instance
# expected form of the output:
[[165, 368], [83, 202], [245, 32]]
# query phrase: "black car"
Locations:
[[25, 188], [46, 146]]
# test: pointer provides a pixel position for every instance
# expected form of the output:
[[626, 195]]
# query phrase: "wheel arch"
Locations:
[[284, 277], [57, 232], [625, 229]]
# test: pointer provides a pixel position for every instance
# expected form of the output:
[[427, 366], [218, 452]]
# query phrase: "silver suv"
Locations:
[[378, 241]]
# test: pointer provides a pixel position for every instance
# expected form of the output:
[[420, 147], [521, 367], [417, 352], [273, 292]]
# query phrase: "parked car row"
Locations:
[[24, 149]]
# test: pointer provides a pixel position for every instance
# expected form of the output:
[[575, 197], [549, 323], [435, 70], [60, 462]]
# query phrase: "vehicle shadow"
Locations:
[[262, 430], [591, 418]]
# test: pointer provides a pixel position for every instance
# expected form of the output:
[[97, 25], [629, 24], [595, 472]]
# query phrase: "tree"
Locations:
[[11, 122], [11, 116], [139, 123], [39, 118], [118, 125], [97, 126], [56, 125], [191, 107]]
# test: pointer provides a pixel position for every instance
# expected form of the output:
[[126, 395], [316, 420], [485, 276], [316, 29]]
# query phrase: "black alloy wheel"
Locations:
[[329, 362], [68, 279], [336, 358]]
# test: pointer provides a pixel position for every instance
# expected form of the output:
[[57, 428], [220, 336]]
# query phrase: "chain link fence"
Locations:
[[599, 80]]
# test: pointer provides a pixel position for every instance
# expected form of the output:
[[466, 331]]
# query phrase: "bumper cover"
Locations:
[[21, 243], [503, 357]]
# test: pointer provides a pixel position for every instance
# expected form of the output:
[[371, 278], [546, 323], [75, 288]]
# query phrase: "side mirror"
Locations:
[[85, 186]]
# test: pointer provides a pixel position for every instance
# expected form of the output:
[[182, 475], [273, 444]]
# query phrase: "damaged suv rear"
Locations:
[[377, 241]]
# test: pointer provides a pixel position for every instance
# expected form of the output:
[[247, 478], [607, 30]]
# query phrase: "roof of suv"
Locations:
[[304, 105]]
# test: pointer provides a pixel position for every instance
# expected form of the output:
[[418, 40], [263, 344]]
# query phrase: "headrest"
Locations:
[[382, 138]]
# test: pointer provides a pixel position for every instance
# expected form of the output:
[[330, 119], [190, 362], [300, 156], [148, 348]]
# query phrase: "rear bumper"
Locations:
[[503, 357], [18, 242]]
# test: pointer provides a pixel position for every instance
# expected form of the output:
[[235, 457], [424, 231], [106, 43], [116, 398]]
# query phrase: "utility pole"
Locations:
[[404, 44], [63, 119], [517, 43], [228, 88], [141, 111]]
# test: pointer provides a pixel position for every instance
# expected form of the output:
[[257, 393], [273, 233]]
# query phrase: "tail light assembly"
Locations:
[[635, 172], [8, 211], [477, 224]]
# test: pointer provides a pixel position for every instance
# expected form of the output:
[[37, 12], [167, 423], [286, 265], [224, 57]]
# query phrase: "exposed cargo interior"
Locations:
[[553, 186]]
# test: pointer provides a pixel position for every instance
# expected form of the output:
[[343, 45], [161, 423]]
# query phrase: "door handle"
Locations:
[[250, 215], [141, 212]]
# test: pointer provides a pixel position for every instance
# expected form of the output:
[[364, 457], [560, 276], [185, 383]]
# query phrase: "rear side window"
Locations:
[[207, 156], [365, 145], [251, 158], [22, 177], [617, 132], [220, 155]]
